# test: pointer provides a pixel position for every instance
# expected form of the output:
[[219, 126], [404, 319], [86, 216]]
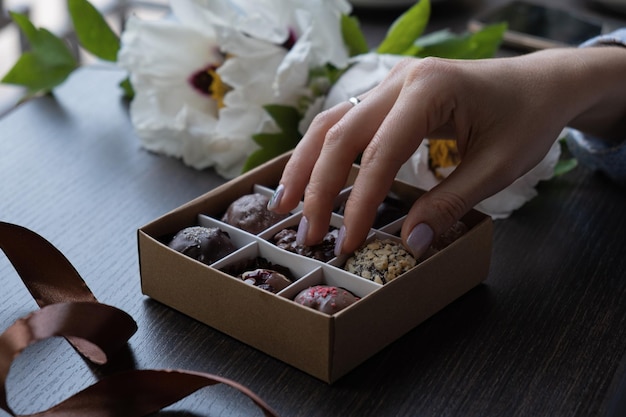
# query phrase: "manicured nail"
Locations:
[[303, 229], [276, 197], [341, 236], [420, 239]]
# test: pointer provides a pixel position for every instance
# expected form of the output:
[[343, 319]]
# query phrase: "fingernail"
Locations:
[[303, 229], [420, 239], [276, 197], [341, 236]]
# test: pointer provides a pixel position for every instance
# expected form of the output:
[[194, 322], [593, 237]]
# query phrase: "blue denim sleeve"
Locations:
[[597, 154]]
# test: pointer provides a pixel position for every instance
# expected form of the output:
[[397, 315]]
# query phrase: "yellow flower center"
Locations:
[[442, 153], [217, 89], [208, 82]]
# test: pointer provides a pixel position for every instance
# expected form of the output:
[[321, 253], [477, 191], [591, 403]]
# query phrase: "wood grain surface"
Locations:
[[543, 336]]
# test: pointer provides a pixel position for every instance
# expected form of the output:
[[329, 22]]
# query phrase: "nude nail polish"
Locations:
[[341, 236], [303, 230], [276, 197], [420, 239]]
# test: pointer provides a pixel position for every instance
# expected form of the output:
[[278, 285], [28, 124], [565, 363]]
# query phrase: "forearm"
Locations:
[[604, 112], [607, 119]]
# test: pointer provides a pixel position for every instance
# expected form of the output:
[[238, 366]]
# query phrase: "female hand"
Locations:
[[504, 113]]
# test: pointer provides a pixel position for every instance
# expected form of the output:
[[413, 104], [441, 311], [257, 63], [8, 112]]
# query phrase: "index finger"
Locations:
[[422, 106], [298, 169], [342, 143]]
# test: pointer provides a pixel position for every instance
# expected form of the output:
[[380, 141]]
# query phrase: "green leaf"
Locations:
[[286, 117], [565, 165], [46, 65], [257, 158], [93, 32], [353, 37], [444, 44], [271, 145], [34, 74], [406, 29], [127, 88], [277, 143]]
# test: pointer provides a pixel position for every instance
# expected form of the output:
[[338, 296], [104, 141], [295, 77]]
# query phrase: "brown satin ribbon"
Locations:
[[96, 330]]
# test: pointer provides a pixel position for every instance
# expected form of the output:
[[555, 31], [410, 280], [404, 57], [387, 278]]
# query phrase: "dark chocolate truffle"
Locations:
[[324, 251], [326, 299], [266, 279], [205, 244], [390, 210], [380, 261], [250, 213], [457, 230], [237, 269]]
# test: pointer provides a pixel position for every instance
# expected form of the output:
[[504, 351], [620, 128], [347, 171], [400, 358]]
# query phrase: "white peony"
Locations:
[[500, 205], [169, 114], [260, 52]]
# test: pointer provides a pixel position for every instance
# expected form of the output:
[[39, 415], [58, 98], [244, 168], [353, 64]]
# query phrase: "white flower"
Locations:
[[367, 71], [277, 22], [170, 115], [416, 171], [260, 50]]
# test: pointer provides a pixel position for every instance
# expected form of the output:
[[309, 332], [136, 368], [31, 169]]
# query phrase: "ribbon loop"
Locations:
[[96, 330]]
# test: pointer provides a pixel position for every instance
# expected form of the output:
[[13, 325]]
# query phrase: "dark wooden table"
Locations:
[[545, 335]]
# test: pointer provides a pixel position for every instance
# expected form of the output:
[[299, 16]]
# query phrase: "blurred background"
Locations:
[[375, 16], [53, 15]]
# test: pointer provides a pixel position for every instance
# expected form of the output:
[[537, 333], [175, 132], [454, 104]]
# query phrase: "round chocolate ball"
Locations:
[[250, 213], [266, 279], [323, 251], [457, 230], [205, 244], [327, 299]]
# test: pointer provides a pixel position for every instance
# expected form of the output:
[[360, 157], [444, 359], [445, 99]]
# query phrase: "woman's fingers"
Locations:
[[437, 210], [343, 143], [320, 165], [387, 126], [416, 112], [298, 170]]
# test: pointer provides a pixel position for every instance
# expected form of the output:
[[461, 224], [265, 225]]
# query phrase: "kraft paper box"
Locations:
[[325, 346]]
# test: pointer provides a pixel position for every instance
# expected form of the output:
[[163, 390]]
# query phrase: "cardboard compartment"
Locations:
[[324, 252], [322, 345]]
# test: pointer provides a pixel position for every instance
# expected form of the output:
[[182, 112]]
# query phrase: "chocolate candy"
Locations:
[[390, 210], [324, 251], [380, 261], [250, 213], [261, 271], [457, 230], [327, 299], [266, 279], [205, 244]]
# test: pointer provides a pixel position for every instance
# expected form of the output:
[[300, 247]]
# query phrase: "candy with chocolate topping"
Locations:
[[390, 210], [323, 251], [327, 299], [457, 230], [266, 279], [250, 213], [380, 261], [259, 263], [205, 244]]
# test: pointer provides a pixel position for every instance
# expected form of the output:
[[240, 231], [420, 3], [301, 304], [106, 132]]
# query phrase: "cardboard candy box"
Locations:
[[325, 346]]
